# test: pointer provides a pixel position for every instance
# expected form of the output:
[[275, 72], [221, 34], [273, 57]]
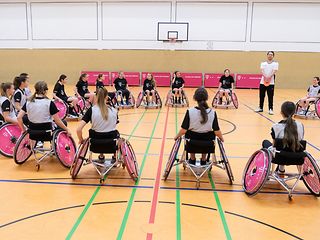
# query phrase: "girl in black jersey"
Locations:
[[82, 88], [177, 85], [149, 86], [7, 113], [60, 94], [121, 85], [100, 84], [225, 85], [19, 96]]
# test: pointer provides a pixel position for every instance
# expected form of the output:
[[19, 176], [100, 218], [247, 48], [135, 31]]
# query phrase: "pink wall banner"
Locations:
[[133, 78], [93, 75], [212, 79], [163, 79], [192, 79], [248, 80]]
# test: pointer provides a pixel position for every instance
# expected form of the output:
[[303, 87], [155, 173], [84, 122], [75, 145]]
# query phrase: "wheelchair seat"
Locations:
[[285, 156], [199, 146], [103, 142]]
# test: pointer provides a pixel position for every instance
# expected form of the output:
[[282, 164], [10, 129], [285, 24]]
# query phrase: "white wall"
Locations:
[[213, 25]]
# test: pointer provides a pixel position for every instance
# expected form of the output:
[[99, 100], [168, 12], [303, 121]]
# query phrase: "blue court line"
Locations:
[[141, 186], [315, 147]]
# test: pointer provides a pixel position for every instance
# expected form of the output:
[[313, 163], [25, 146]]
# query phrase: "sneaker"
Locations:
[[192, 162], [259, 110], [271, 112], [39, 144], [279, 171], [113, 160], [71, 116]]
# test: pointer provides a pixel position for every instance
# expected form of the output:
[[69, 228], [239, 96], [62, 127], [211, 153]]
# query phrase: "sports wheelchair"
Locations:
[[9, 134], [170, 100], [99, 144], [229, 100], [198, 146], [142, 101], [79, 109], [259, 170], [60, 144], [312, 111], [120, 103]]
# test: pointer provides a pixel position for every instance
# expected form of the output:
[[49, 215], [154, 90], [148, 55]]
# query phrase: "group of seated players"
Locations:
[[200, 122]]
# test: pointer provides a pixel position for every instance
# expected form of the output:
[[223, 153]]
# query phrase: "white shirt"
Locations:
[[267, 68]]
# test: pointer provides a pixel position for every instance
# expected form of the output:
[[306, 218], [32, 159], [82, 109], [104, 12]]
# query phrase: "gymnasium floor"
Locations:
[[49, 205]]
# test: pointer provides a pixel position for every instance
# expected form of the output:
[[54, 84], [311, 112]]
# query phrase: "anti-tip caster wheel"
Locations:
[[198, 185], [290, 197], [37, 167], [101, 180]]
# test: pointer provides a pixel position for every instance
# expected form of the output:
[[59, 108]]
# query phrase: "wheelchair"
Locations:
[[312, 111], [170, 100], [229, 100], [64, 109], [141, 100], [120, 103], [259, 170], [198, 146], [9, 135], [97, 143], [61, 145]]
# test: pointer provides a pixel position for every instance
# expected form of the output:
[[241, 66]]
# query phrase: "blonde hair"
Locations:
[[102, 93]]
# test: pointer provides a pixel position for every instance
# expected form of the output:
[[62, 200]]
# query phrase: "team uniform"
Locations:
[[100, 84], [147, 86], [100, 125], [60, 92], [267, 68], [313, 92], [121, 86], [196, 130], [19, 96], [40, 112], [226, 82], [178, 83], [82, 88], [6, 106]]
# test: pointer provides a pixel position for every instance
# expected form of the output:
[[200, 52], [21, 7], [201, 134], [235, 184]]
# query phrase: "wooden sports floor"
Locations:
[[48, 204]]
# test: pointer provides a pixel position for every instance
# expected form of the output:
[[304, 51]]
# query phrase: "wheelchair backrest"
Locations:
[[285, 156], [40, 135], [199, 146]]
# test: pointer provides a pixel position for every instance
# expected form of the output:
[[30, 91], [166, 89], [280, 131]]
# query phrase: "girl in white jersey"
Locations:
[[7, 113], [200, 123], [313, 95], [103, 118], [19, 97], [290, 131]]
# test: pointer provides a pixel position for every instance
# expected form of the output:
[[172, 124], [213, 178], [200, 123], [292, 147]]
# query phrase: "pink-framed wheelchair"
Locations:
[[170, 100], [9, 135], [260, 169], [229, 99], [56, 143], [198, 170], [79, 109], [312, 111], [120, 151], [141, 100], [120, 103]]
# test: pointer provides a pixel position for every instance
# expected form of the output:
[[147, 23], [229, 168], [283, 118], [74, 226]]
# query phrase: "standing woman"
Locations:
[[268, 70], [82, 88], [177, 87], [149, 86], [19, 96]]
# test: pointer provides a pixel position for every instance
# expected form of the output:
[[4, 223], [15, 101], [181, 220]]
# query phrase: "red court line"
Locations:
[[158, 178]]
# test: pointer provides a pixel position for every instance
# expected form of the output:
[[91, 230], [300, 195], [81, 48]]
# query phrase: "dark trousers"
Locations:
[[125, 94], [262, 93]]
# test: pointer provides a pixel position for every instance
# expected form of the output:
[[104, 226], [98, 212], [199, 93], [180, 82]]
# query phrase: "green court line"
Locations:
[[133, 192], [89, 203], [221, 212], [178, 199]]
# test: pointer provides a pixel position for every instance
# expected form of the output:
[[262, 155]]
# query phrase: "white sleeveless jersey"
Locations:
[[278, 129], [195, 118], [39, 110], [11, 113], [313, 91]]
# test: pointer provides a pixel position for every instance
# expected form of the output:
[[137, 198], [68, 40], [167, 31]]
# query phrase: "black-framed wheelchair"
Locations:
[[260, 169], [120, 151], [198, 170], [55, 143]]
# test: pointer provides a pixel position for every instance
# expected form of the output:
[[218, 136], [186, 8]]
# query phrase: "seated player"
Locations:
[[82, 88], [149, 86], [200, 123], [100, 84], [177, 87], [225, 85], [290, 131], [121, 86], [19, 96], [60, 95], [27, 90], [42, 112], [312, 96], [7, 113], [103, 118]]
